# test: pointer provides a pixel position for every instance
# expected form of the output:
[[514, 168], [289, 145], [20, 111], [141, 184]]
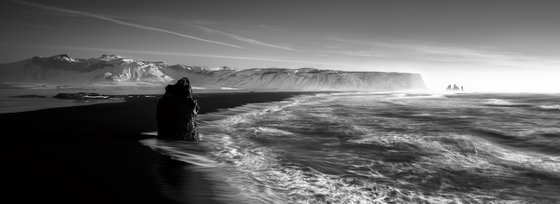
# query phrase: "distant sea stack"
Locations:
[[455, 87], [114, 70]]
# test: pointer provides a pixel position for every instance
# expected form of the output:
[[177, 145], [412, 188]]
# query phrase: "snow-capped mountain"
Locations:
[[116, 70]]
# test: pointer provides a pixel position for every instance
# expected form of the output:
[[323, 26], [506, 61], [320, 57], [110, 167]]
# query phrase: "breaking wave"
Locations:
[[183, 151], [379, 148], [550, 107], [499, 102]]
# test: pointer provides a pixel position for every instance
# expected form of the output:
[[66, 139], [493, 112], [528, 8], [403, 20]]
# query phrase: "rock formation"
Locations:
[[80, 96], [455, 87], [29, 96], [176, 112]]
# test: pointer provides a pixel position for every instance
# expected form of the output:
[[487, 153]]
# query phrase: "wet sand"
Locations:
[[91, 154]]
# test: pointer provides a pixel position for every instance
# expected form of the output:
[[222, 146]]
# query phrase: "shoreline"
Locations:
[[19, 100], [91, 154]]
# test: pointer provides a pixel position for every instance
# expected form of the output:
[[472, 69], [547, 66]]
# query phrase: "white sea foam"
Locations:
[[261, 177], [153, 133], [271, 131], [229, 88], [499, 102], [267, 174], [398, 95], [188, 152], [550, 107], [416, 96], [423, 114]]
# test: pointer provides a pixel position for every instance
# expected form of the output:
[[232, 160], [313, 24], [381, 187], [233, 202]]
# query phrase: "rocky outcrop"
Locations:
[[80, 96], [176, 112], [29, 96]]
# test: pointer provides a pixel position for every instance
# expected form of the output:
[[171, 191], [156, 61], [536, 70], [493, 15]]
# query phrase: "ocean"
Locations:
[[381, 148]]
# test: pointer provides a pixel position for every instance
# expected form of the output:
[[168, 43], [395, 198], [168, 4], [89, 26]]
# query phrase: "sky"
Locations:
[[494, 45]]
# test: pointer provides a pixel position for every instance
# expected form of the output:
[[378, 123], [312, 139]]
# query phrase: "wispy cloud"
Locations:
[[441, 54], [354, 53], [120, 22], [243, 39]]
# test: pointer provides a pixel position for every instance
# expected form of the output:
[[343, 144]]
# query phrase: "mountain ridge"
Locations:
[[115, 70]]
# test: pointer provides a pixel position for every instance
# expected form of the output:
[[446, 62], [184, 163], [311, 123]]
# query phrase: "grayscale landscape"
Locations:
[[264, 101]]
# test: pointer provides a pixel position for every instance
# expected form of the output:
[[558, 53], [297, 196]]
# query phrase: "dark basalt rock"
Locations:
[[176, 112], [80, 96], [454, 88], [29, 96]]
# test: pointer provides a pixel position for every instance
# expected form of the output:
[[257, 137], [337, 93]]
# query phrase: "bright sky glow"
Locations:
[[490, 45]]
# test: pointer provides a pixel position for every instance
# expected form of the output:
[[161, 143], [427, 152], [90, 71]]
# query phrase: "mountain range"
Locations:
[[114, 70]]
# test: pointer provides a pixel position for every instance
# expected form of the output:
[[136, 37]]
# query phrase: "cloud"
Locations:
[[355, 53], [415, 51], [244, 39], [124, 23]]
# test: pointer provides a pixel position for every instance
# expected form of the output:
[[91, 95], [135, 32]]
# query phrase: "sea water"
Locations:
[[382, 148]]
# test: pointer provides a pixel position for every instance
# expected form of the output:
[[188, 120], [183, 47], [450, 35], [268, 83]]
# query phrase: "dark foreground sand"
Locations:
[[91, 154]]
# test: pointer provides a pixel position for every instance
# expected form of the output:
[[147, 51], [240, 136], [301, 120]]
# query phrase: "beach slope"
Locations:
[[91, 154]]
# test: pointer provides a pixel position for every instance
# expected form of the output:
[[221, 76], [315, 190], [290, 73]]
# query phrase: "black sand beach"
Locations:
[[91, 154]]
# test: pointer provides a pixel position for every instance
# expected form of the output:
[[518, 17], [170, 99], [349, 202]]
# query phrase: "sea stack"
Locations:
[[176, 112], [455, 87]]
